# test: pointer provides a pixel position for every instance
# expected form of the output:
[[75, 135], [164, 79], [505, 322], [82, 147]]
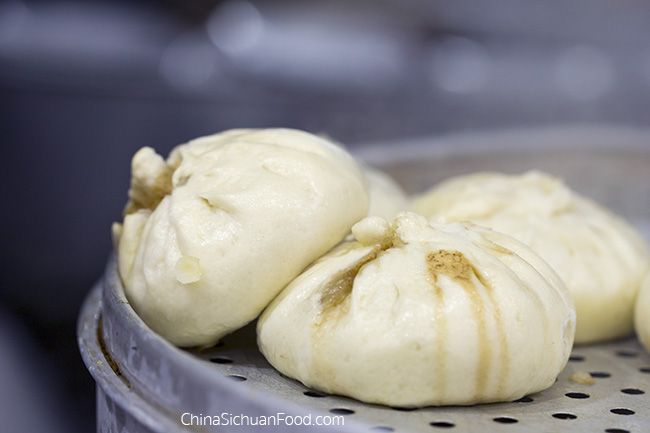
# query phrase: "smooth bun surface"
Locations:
[[214, 232], [387, 198], [600, 257], [416, 313]]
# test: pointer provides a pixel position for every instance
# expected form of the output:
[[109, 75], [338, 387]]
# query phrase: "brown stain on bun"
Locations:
[[455, 266], [332, 305], [440, 319], [452, 264], [335, 293]]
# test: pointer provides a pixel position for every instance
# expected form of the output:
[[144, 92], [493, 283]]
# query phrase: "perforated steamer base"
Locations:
[[146, 385], [618, 401]]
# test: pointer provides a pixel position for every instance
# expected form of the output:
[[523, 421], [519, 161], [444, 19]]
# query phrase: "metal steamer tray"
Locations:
[[145, 384]]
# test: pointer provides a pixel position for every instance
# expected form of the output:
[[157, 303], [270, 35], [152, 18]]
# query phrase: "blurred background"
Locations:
[[84, 84]]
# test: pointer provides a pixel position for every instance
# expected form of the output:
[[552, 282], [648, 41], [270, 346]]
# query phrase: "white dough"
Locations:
[[387, 198], [417, 313], [600, 257], [211, 235]]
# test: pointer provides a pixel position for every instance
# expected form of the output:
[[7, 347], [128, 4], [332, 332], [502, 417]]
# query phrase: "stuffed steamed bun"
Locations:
[[417, 313], [213, 233]]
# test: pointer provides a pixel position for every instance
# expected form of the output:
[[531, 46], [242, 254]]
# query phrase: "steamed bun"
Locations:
[[387, 198], [214, 232], [417, 313], [600, 257]]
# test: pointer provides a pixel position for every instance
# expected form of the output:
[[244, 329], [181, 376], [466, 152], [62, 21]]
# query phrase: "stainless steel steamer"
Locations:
[[145, 384]]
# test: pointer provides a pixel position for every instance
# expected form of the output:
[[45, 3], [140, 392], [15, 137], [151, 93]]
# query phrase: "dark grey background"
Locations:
[[84, 84]]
